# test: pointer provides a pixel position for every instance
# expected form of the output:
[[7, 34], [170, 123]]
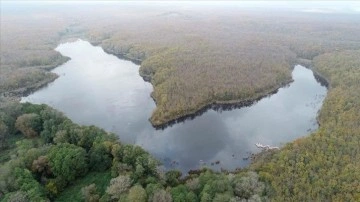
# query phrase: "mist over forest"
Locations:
[[195, 55]]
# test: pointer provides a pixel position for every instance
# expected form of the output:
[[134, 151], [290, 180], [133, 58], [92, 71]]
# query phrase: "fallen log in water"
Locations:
[[265, 147]]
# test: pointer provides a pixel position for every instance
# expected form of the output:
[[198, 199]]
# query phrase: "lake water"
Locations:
[[95, 88]]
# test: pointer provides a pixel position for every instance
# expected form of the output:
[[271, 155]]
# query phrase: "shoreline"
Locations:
[[217, 105], [318, 77], [321, 79], [214, 105], [25, 91]]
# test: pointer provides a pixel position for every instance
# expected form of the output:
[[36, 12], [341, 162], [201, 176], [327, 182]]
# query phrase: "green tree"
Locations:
[[130, 153], [247, 186], [25, 182], [53, 188], [180, 193], [100, 157], [29, 108], [88, 135], [18, 196], [30, 149], [173, 177], [222, 197], [68, 161], [52, 123], [137, 193], [9, 111], [3, 134], [193, 184]]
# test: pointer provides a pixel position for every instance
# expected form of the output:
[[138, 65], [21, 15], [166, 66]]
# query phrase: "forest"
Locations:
[[325, 165], [46, 154], [232, 57], [192, 60]]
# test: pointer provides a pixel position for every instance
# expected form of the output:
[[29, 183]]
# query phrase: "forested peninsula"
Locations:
[[193, 59]]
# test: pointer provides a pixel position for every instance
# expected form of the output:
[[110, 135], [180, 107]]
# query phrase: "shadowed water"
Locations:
[[95, 88]]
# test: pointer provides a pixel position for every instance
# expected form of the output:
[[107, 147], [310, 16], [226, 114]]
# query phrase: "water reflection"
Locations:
[[100, 89]]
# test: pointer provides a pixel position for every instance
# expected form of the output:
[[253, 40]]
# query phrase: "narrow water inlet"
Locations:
[[96, 88]]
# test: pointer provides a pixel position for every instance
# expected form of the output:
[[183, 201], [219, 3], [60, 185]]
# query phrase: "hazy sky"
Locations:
[[304, 6], [354, 5]]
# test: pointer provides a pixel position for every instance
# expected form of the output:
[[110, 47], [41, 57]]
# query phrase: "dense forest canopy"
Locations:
[[233, 54], [194, 55]]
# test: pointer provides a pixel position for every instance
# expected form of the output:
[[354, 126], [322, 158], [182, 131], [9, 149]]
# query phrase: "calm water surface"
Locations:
[[95, 88]]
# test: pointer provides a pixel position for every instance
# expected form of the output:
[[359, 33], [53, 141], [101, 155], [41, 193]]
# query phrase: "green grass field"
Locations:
[[73, 192]]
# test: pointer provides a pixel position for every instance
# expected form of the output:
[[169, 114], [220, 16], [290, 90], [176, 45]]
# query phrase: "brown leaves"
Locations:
[[27, 124]]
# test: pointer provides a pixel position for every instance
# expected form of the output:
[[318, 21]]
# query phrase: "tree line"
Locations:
[[51, 153]]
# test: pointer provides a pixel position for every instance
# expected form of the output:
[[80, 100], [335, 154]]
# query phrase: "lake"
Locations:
[[96, 88]]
